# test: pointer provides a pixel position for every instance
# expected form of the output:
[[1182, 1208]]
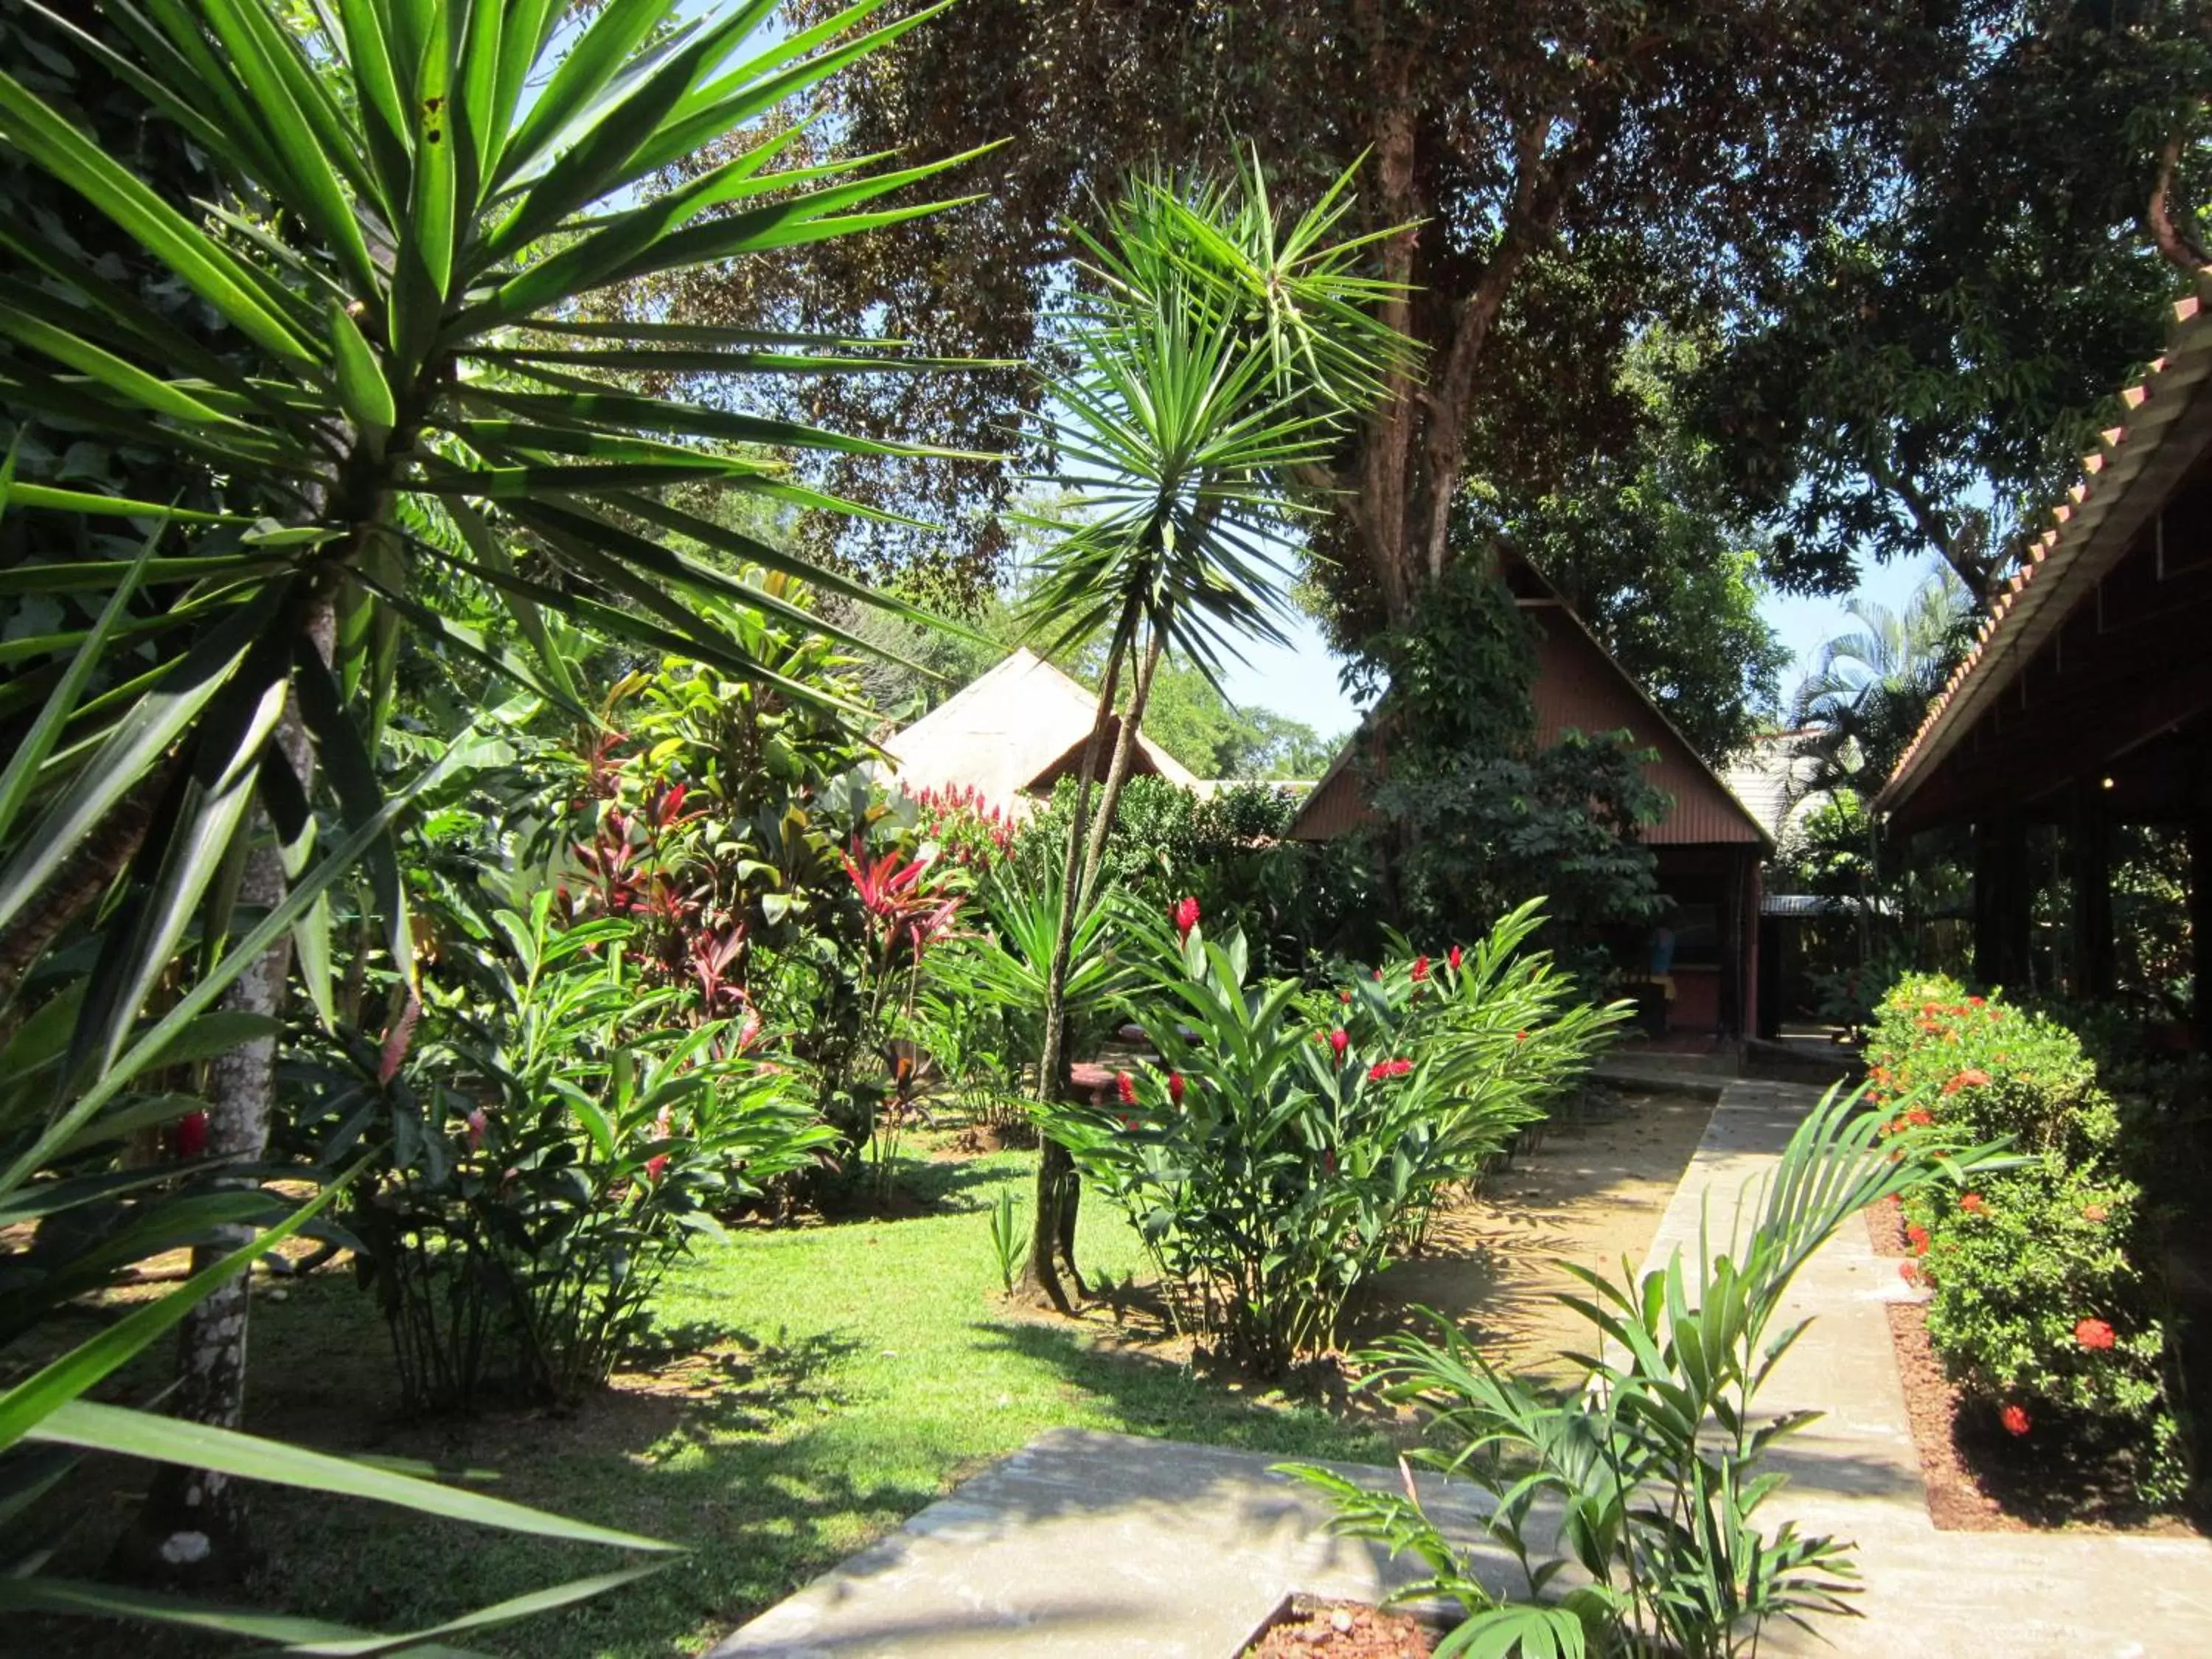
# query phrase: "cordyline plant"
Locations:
[[1220, 354], [416, 195], [1651, 1467]]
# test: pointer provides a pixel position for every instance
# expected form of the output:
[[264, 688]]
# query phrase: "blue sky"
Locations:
[[1300, 680]]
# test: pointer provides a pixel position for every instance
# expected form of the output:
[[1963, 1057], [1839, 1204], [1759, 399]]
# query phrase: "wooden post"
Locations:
[[2089, 865], [2002, 901]]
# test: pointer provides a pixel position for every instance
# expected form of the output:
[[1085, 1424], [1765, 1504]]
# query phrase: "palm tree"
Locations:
[[1218, 356], [1872, 686], [1861, 705], [416, 195]]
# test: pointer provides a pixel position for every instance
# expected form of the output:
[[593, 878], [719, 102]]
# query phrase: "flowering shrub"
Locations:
[[965, 827], [2039, 1306], [1293, 1142]]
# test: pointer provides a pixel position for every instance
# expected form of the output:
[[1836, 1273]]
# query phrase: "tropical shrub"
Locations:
[[1653, 1460], [1281, 1157], [2042, 1304], [550, 1136]]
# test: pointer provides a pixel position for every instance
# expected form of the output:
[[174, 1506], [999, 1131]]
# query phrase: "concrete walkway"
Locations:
[[1104, 1545], [1855, 1474]]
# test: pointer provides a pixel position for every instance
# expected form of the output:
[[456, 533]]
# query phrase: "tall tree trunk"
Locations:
[[193, 1528], [1055, 1176], [1070, 1196]]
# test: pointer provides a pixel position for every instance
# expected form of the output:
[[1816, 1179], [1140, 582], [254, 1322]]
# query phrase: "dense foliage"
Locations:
[[2043, 1303], [1478, 819], [1290, 1145]]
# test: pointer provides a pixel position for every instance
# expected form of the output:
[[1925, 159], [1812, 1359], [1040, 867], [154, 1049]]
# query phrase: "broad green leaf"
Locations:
[[362, 385]]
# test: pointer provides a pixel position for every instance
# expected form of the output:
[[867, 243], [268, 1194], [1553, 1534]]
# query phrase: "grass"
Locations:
[[814, 1387]]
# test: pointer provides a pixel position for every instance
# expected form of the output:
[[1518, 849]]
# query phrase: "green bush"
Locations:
[[1293, 1142], [2041, 1306], [551, 1137]]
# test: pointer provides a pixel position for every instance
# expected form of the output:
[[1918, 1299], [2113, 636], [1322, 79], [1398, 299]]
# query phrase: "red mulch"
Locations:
[[1342, 1630], [1980, 1479]]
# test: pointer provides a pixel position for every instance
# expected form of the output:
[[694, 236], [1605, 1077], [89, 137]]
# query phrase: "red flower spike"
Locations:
[[192, 1134], [1125, 1087], [1186, 916], [2015, 1419], [1339, 1040], [1382, 1069], [656, 1166], [475, 1120], [1175, 1087], [1344, 996], [1420, 968], [2094, 1334], [1452, 957]]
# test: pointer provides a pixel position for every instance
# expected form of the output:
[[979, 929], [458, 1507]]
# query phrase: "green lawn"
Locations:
[[823, 1383]]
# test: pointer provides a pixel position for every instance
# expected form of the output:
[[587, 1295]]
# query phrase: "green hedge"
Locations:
[[2040, 1307]]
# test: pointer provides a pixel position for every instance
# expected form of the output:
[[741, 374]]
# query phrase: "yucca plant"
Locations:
[[46, 1422], [416, 195], [1219, 353]]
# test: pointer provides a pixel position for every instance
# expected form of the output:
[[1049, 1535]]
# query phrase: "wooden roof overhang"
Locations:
[[2095, 658]]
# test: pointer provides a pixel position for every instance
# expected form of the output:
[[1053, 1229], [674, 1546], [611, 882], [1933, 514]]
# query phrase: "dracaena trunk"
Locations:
[[193, 1528]]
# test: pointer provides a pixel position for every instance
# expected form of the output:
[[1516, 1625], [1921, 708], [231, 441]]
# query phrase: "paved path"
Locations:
[[1103, 1544], [1087, 1544], [1855, 1473]]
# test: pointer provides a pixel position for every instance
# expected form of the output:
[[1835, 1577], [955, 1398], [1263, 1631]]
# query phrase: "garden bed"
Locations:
[[1340, 1629], [1979, 1479]]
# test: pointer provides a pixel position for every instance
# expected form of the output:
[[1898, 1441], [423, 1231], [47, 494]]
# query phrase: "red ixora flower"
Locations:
[[1972, 1077], [1909, 1271], [1452, 956], [1520, 1036], [1186, 916], [1420, 968], [1919, 1117], [2093, 1333], [2094, 1213], [1973, 1204], [1125, 1087], [2015, 1419], [1389, 1068], [1175, 1087], [1918, 1236]]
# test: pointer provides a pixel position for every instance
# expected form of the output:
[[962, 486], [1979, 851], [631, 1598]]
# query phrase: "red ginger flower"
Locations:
[[1972, 1077], [1389, 1068], [2093, 1333], [1125, 1086], [192, 1134], [475, 1122], [1175, 1087], [1420, 968], [2015, 1419], [1339, 1040], [1452, 956], [1973, 1204], [1186, 916]]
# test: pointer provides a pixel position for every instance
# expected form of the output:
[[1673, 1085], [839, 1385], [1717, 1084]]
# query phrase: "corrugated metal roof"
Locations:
[[2124, 482], [1578, 686]]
